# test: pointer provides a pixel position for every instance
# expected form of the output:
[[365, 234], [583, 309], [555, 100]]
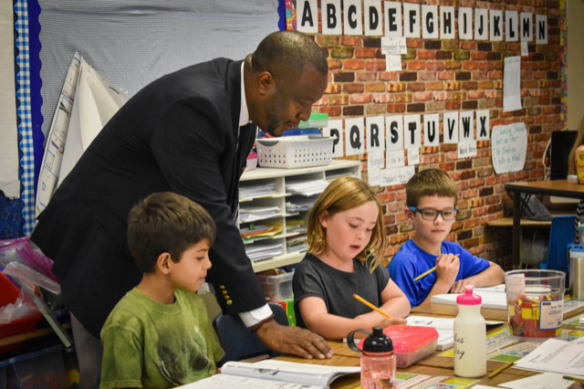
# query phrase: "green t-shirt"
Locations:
[[147, 344]]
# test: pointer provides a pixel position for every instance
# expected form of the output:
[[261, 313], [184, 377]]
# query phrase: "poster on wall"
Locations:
[[509, 147]]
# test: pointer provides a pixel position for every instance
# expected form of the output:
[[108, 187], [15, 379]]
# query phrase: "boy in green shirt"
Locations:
[[159, 334]]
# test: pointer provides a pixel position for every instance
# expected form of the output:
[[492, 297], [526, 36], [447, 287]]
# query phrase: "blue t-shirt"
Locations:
[[411, 261]]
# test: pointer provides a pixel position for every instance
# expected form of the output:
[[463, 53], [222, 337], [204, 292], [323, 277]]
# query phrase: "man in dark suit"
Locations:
[[188, 132]]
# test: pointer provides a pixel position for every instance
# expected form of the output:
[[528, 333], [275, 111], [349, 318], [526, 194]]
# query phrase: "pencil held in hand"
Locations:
[[371, 306], [428, 272]]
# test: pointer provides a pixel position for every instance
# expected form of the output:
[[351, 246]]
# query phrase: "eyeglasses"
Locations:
[[432, 214]]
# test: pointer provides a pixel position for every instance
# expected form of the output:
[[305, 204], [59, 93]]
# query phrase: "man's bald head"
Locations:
[[285, 53]]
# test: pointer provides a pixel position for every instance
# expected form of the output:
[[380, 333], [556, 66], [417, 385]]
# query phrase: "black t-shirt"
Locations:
[[336, 288]]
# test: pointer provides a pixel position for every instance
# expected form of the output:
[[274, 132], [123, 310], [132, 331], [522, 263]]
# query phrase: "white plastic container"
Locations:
[[295, 151], [277, 287], [470, 337]]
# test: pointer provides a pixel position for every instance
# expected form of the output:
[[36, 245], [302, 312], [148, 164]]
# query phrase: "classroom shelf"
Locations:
[[279, 177]]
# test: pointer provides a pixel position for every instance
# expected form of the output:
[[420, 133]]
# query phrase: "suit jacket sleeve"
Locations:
[[188, 143]]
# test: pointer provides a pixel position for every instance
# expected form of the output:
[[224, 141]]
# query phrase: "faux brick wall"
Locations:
[[451, 75]]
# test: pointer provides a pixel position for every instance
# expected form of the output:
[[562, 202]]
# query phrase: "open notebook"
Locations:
[[270, 374], [493, 297]]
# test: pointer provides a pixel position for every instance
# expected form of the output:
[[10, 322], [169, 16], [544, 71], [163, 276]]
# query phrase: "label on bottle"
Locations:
[[551, 314]]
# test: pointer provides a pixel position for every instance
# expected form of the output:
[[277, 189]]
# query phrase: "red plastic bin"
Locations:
[[8, 295]]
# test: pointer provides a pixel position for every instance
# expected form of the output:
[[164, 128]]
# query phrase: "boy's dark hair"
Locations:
[[166, 223], [430, 182]]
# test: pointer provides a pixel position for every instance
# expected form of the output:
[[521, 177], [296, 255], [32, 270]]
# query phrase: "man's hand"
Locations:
[[294, 340]]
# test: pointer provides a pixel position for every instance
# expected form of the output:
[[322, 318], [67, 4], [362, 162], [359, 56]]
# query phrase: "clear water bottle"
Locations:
[[378, 362], [470, 337]]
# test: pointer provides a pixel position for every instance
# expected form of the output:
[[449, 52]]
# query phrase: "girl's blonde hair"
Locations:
[[579, 141], [341, 195]]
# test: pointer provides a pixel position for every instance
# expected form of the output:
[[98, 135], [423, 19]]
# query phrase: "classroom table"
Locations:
[[561, 188]]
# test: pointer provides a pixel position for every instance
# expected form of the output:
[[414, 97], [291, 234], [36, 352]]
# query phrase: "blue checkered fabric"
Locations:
[[24, 113]]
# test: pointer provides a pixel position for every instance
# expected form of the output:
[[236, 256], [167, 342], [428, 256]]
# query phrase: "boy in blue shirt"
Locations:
[[431, 201], [159, 334]]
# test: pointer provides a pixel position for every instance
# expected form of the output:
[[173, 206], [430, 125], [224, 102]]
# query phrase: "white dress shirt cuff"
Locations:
[[253, 317]]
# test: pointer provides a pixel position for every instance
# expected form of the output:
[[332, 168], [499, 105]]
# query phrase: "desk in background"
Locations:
[[561, 188]]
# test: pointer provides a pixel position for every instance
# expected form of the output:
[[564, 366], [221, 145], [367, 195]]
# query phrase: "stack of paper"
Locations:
[[253, 189], [295, 225], [331, 175], [264, 250], [556, 356], [255, 232], [296, 244], [494, 297], [250, 214], [299, 204], [306, 187]]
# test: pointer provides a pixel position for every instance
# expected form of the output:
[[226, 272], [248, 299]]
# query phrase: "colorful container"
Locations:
[[535, 302]]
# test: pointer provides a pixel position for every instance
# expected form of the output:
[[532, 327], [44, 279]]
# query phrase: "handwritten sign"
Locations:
[[375, 161], [393, 45], [393, 63], [395, 158], [389, 177], [467, 149], [509, 147], [413, 156]]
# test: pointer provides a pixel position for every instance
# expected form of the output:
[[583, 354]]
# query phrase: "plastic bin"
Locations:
[[535, 302], [295, 151], [42, 369], [277, 287], [8, 295], [410, 343]]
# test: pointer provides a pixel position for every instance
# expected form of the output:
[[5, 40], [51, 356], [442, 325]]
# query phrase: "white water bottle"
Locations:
[[470, 337]]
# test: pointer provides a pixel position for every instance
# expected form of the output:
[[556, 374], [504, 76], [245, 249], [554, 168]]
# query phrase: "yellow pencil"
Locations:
[[499, 370], [371, 306], [567, 377], [429, 271]]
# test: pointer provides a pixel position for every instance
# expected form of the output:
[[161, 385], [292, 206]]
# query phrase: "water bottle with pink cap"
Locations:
[[470, 336]]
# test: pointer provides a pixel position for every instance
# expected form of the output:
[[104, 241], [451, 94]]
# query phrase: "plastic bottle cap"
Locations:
[[578, 247], [378, 342], [468, 298]]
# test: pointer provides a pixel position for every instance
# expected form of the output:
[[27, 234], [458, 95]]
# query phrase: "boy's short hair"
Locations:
[[166, 222], [430, 182]]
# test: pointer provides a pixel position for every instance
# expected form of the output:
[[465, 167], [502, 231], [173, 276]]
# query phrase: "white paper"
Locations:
[[373, 17], [96, 101], [496, 25], [375, 162], [450, 123], [466, 126], [331, 24], [465, 26], [556, 356], [430, 21], [509, 147], [467, 149], [356, 17], [9, 178], [413, 156], [393, 19], [234, 382], [541, 26], [447, 23], [397, 176], [524, 49], [412, 131], [411, 20], [512, 84], [432, 130], [511, 26], [393, 63], [394, 136], [393, 45], [483, 125], [395, 158], [539, 381], [526, 27], [307, 16], [481, 24], [57, 138], [354, 136], [335, 130], [375, 126]]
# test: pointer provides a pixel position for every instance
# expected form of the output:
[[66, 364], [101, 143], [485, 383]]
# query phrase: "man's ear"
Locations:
[[266, 83], [410, 215], [323, 219], [163, 263]]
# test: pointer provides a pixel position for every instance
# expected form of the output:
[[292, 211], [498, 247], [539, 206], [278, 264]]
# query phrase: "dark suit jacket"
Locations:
[[177, 134]]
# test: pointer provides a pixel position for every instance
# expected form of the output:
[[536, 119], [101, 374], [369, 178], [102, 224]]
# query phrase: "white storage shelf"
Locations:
[[278, 199]]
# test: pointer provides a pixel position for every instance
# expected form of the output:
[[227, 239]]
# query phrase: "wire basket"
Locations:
[[295, 151]]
